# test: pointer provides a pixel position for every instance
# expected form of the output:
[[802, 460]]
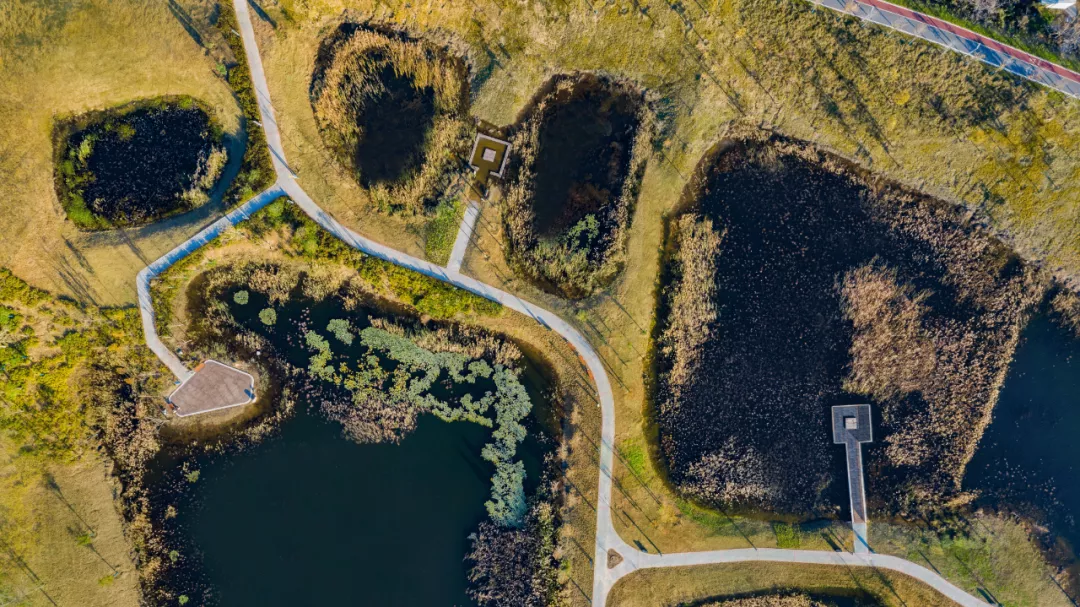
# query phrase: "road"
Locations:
[[961, 40], [607, 538]]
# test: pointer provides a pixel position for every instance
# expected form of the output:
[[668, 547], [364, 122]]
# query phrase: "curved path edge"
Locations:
[[607, 538]]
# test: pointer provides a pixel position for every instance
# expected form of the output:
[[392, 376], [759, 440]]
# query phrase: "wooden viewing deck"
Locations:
[[213, 386], [852, 427]]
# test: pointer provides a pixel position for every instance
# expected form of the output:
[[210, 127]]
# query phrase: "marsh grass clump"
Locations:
[[137, 163], [797, 282], [788, 599], [393, 111], [578, 160]]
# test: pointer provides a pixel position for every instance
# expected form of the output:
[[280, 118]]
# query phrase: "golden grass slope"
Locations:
[[66, 56]]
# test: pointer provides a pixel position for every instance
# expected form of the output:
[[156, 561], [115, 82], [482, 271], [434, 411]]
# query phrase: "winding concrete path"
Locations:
[[607, 538]]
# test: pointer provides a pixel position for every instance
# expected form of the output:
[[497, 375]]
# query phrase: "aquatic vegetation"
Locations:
[[137, 163], [385, 403], [393, 111], [374, 376], [573, 180]]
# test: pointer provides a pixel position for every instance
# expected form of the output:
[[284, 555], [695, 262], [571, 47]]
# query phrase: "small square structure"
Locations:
[[851, 423], [488, 158]]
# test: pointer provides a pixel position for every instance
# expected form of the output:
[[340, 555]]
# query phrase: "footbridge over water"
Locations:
[[851, 428]]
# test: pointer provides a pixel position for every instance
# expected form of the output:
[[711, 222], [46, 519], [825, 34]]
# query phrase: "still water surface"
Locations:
[[1029, 458]]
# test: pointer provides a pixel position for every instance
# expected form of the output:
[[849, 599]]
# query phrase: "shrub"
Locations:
[[514, 567], [787, 536]]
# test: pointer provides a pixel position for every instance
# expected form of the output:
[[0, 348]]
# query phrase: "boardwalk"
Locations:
[[607, 538], [851, 428], [961, 40]]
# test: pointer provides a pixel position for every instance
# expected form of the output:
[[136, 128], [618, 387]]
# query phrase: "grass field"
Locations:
[[66, 57], [72, 549], [691, 585]]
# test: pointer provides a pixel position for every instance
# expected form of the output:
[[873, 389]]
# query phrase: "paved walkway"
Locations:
[[606, 536], [464, 236], [142, 281], [961, 40]]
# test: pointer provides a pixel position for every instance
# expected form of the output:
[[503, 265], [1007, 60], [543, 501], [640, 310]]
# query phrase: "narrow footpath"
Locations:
[[607, 538]]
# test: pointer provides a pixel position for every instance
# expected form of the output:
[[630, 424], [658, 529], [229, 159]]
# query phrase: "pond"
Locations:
[[138, 163], [395, 125], [810, 265], [583, 154], [1029, 457], [310, 517]]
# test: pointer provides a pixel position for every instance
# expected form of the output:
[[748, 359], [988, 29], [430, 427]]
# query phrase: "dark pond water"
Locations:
[[308, 517], [395, 124], [1029, 457], [586, 139], [141, 162]]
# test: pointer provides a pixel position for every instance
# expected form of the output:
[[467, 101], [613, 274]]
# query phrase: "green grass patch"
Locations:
[[441, 231], [634, 455], [787, 536]]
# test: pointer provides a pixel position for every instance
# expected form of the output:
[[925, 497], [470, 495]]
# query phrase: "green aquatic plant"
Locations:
[[386, 402], [268, 316], [342, 330], [241, 297]]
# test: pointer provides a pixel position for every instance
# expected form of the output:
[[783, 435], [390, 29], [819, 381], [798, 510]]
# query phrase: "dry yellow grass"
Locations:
[[46, 564], [68, 57], [688, 585]]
